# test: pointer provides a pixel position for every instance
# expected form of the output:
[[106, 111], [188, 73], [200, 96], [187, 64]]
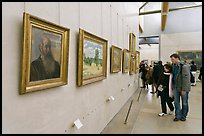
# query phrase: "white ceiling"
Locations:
[[132, 7], [198, 3]]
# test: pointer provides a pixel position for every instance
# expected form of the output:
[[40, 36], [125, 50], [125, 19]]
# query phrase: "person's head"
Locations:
[[160, 62], [45, 46], [175, 58], [192, 62], [46, 54], [168, 68]]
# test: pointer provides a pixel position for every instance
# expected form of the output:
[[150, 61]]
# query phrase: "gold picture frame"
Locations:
[[92, 58], [116, 57], [126, 61], [137, 60], [45, 54], [133, 64], [132, 42]]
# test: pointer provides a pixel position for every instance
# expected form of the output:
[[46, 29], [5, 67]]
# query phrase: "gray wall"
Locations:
[[54, 110]]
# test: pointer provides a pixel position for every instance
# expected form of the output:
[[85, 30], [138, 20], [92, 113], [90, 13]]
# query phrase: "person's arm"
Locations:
[[185, 79]]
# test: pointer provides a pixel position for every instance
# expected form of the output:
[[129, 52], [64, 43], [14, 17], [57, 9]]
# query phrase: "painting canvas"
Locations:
[[92, 58], [132, 66], [132, 42], [45, 55], [126, 60], [191, 55], [116, 57], [137, 59]]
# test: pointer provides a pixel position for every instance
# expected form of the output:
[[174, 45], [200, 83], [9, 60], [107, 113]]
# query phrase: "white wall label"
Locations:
[[78, 124]]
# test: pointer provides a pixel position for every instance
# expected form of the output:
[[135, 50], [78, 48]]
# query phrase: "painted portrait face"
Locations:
[[45, 46]]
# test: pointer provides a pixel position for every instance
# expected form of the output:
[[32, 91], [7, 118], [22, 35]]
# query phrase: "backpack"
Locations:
[[192, 79]]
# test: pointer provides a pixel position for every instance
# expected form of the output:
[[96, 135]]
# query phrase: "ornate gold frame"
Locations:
[[119, 50], [132, 42], [133, 64], [125, 70], [137, 59], [84, 35], [30, 21]]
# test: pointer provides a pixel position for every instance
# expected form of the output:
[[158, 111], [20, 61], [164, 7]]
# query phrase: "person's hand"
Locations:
[[183, 92]]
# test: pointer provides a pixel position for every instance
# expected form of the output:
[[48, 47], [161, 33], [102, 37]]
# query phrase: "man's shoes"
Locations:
[[171, 112], [162, 114], [183, 119], [176, 119], [152, 92]]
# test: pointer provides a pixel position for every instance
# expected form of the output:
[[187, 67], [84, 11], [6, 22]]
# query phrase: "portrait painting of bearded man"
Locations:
[[46, 51]]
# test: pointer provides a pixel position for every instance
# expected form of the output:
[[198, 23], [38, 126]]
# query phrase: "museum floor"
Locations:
[[143, 117]]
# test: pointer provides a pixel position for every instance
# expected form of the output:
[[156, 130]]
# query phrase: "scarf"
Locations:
[[170, 84]]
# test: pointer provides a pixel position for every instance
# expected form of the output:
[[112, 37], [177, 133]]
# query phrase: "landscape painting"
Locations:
[[191, 55], [92, 58], [116, 55]]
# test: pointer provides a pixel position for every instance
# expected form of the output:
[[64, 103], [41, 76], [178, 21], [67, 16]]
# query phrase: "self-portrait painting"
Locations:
[[45, 55]]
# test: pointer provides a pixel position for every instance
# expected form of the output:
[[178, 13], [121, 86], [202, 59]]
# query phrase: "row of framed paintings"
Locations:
[[46, 55]]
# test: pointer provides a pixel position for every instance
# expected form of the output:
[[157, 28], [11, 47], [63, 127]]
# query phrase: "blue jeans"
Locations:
[[180, 112]]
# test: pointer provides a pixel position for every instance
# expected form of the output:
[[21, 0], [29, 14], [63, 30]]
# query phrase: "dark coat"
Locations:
[[157, 72], [37, 71]]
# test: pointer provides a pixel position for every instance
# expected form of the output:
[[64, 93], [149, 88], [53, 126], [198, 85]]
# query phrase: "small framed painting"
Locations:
[[126, 61], [116, 57]]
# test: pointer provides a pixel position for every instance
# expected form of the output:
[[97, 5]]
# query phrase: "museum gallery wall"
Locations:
[[50, 99], [50, 68]]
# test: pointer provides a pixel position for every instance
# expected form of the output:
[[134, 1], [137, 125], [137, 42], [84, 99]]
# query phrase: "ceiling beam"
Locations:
[[164, 13], [152, 36], [143, 5], [172, 9], [140, 29], [185, 7]]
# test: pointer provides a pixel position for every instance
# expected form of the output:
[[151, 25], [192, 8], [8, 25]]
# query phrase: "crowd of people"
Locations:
[[171, 81]]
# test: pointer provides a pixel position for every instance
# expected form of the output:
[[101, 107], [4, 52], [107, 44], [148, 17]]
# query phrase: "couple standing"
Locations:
[[180, 86]]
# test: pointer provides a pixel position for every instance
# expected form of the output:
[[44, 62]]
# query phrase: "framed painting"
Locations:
[[132, 66], [126, 61], [116, 58], [45, 54], [92, 58], [132, 42], [137, 59], [191, 55]]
